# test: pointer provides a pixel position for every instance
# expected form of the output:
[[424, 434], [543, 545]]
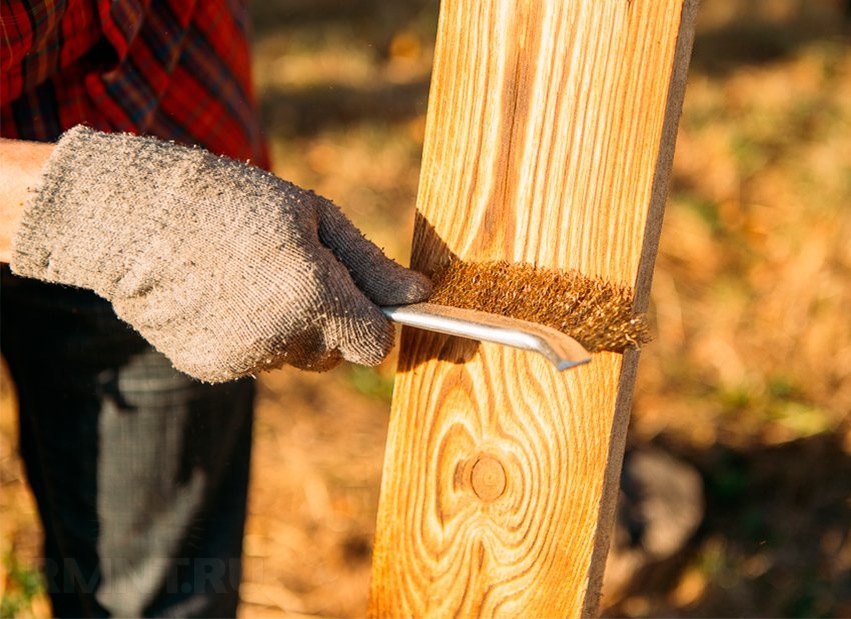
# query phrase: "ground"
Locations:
[[748, 378]]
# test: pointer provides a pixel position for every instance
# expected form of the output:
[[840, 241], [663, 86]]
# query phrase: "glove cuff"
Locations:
[[65, 232]]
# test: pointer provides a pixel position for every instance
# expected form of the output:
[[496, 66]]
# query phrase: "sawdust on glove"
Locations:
[[223, 267]]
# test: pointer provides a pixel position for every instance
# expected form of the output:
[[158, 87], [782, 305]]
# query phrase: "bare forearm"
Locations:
[[21, 164]]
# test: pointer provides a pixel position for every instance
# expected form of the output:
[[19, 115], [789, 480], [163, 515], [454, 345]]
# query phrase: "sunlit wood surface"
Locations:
[[549, 140]]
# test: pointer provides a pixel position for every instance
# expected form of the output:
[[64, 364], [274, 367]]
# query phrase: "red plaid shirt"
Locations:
[[176, 69]]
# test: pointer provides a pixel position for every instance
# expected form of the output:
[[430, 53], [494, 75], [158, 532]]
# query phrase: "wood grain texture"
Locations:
[[549, 140]]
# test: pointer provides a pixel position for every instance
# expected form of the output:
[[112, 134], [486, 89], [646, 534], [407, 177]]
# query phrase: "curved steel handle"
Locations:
[[562, 350]]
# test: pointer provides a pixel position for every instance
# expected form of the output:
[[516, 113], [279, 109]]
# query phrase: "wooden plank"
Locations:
[[549, 139]]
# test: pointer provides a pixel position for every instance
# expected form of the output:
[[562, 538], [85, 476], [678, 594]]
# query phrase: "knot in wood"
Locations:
[[488, 478]]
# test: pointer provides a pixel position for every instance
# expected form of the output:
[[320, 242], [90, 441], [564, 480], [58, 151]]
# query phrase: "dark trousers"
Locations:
[[139, 472]]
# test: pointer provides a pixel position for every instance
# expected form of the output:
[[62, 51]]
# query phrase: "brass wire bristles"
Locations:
[[595, 312]]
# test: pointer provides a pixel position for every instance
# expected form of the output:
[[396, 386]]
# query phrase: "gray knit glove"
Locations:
[[224, 268]]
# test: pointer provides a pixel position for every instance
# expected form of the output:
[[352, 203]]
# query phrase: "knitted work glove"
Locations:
[[224, 268]]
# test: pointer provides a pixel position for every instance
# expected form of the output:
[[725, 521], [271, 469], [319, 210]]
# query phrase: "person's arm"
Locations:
[[223, 267], [21, 165]]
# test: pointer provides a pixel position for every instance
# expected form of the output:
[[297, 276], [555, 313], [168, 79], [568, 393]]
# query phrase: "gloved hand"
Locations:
[[223, 267]]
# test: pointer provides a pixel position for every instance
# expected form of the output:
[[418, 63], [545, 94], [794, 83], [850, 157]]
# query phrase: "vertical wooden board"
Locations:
[[549, 139]]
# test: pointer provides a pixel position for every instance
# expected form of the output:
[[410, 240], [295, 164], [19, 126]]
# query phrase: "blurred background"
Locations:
[[743, 397]]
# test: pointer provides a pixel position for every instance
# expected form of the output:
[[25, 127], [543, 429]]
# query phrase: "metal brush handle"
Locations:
[[562, 350]]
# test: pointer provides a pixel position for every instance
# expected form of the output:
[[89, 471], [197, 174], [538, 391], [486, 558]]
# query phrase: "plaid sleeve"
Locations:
[[38, 39], [176, 69]]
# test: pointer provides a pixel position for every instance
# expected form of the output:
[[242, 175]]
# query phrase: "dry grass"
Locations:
[[748, 376]]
